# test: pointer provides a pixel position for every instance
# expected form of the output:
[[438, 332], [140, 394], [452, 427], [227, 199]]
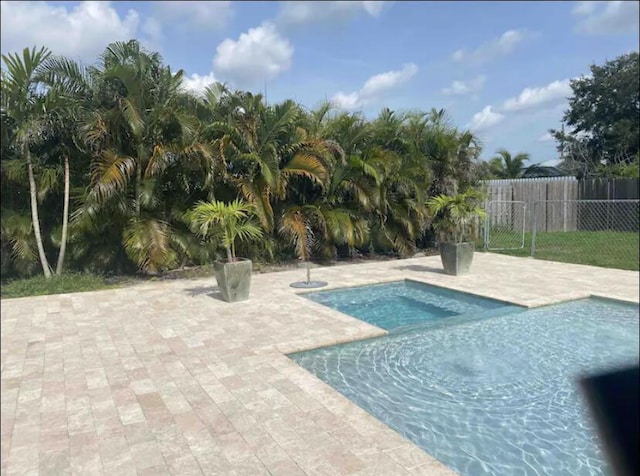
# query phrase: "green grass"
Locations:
[[609, 249], [67, 283]]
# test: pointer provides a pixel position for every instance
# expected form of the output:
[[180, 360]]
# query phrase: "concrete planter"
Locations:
[[234, 279], [456, 257]]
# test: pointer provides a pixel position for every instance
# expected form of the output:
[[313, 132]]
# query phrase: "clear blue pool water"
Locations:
[[496, 395], [396, 305]]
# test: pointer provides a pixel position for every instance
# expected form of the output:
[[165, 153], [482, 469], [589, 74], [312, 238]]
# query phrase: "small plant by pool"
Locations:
[[493, 395]]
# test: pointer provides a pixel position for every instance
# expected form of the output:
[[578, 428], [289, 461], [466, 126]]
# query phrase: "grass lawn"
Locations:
[[609, 249], [67, 283], [80, 282]]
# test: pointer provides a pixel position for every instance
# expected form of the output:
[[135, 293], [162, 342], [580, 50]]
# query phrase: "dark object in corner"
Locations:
[[614, 401]]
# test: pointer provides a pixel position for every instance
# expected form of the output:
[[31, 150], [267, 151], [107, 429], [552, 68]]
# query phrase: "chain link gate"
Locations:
[[505, 225]]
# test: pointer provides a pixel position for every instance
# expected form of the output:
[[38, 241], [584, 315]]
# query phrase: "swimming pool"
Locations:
[[496, 395], [399, 304]]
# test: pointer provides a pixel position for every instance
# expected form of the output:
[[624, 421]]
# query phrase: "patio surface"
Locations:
[[164, 378]]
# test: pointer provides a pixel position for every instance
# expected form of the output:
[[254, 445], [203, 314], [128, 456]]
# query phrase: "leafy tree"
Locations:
[[604, 115]]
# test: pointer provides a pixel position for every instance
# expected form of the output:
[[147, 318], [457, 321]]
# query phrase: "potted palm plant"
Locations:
[[454, 218], [226, 223]]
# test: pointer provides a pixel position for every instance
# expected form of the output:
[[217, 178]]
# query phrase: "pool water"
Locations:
[[497, 395], [405, 303]]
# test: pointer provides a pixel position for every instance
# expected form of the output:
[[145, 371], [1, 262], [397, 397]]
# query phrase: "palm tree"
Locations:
[[31, 109], [320, 215], [455, 216], [506, 166], [73, 84], [449, 153], [225, 222], [265, 150], [143, 133]]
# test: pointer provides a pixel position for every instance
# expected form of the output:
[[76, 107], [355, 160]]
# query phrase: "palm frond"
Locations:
[[133, 116], [111, 172], [295, 227], [147, 242], [14, 170], [307, 165], [48, 181]]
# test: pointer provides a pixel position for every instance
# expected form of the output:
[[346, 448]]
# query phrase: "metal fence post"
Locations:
[[487, 220], [534, 219]]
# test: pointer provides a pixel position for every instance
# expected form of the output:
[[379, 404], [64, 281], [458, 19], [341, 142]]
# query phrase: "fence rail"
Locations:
[[596, 232]]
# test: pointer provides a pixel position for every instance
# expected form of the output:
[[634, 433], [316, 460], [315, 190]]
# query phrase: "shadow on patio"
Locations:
[[211, 291], [419, 267]]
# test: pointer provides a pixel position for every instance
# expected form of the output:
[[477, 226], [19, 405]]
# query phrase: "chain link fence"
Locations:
[[593, 232], [505, 225]]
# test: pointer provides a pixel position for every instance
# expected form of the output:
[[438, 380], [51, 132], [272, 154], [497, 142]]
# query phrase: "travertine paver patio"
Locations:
[[164, 378]]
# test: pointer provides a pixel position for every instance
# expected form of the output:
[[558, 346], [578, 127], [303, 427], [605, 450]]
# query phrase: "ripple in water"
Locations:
[[496, 396]]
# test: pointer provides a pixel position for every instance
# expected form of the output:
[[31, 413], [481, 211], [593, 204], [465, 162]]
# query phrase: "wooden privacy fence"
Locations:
[[609, 189], [530, 191]]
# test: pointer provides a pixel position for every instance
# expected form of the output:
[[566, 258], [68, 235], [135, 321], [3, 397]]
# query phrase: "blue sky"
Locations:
[[499, 68]]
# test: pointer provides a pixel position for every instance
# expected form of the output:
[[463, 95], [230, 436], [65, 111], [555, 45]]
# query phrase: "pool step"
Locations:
[[458, 320]]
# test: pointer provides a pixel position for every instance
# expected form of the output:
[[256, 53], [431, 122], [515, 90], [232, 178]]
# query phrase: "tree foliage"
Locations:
[[128, 167], [507, 166], [603, 117]]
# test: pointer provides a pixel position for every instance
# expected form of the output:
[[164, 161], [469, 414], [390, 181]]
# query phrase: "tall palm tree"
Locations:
[[506, 166], [73, 84], [31, 108]]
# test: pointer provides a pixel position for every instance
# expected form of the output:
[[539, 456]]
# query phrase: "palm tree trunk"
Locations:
[[65, 218], [35, 219]]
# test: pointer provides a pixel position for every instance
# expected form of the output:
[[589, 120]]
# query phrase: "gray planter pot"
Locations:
[[456, 257], [234, 279]]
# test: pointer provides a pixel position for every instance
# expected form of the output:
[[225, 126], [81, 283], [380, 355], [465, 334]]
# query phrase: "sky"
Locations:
[[500, 69]]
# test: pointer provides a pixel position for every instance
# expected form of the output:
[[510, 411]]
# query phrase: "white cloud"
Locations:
[[546, 137], [204, 15], [601, 18], [374, 88], [81, 31], [152, 30], [584, 8], [485, 119], [259, 54], [305, 12], [492, 49], [197, 84], [458, 55], [461, 88], [529, 98]]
